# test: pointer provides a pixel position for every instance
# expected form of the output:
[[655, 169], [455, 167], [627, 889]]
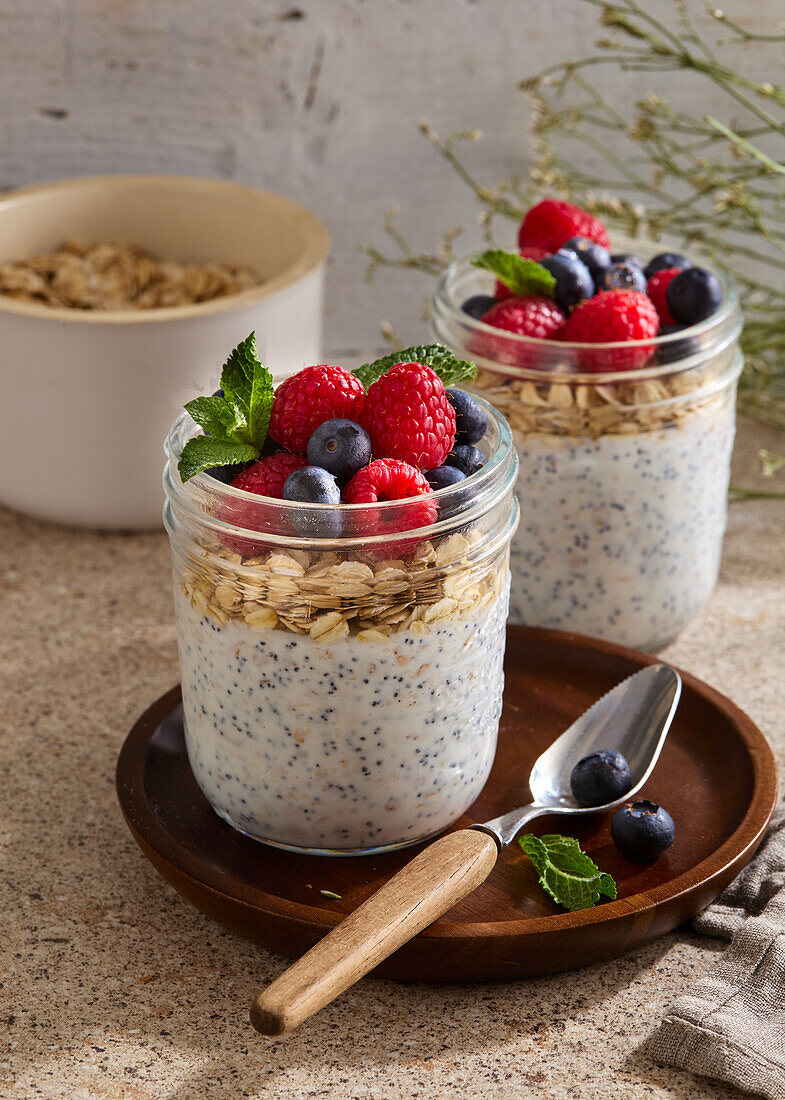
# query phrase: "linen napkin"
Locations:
[[731, 1025]]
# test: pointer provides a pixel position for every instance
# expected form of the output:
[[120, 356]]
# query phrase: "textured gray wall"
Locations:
[[318, 99]]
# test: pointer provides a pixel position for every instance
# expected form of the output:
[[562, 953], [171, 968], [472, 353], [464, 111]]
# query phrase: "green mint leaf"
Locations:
[[440, 359], [262, 395], [237, 383], [202, 452], [566, 873], [214, 414], [521, 276]]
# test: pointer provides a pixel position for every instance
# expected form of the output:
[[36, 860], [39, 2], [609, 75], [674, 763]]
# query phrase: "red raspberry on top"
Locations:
[[613, 316], [408, 416], [539, 318], [534, 251], [656, 287], [552, 222], [265, 479], [385, 479], [390, 479], [306, 399], [529, 316]]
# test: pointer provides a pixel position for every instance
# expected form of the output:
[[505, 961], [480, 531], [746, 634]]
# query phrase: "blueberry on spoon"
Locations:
[[600, 777]]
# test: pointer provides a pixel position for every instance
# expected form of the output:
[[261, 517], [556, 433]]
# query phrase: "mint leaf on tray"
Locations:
[[236, 424], [520, 275], [566, 873], [440, 359]]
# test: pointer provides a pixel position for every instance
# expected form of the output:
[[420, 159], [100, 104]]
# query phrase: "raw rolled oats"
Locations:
[[591, 410], [330, 597], [85, 276]]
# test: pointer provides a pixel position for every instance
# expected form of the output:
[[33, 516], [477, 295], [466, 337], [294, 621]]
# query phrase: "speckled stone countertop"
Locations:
[[112, 986]]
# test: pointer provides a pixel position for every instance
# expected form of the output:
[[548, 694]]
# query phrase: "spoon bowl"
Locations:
[[633, 718]]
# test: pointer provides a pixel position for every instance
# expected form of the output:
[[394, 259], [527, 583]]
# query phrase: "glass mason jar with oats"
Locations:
[[624, 456], [342, 693]]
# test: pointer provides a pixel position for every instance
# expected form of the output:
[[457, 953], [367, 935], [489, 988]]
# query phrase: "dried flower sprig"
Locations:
[[656, 170]]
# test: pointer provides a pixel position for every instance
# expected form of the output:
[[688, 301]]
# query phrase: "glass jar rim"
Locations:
[[725, 324], [487, 486]]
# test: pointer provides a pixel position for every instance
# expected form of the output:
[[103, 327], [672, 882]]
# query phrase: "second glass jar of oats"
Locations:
[[624, 468]]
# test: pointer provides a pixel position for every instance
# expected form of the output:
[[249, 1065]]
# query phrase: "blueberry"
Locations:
[[471, 423], [624, 276], [666, 259], [573, 281], [478, 305], [594, 256], [313, 485], [442, 476], [340, 447], [642, 830], [227, 474], [672, 351], [219, 392], [693, 295], [270, 447], [600, 777], [466, 459], [627, 258]]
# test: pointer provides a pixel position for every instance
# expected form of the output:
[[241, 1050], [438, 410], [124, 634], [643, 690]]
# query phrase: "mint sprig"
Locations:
[[567, 873], [518, 274], [236, 423], [440, 359]]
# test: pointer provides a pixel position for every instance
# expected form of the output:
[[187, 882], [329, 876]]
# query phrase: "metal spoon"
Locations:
[[633, 718]]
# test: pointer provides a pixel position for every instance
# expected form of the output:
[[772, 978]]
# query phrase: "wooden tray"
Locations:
[[716, 776]]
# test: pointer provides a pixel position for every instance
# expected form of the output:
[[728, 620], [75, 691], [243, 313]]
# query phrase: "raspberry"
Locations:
[[552, 222], [408, 416], [501, 291], [265, 478], [532, 252], [531, 316], [306, 399], [613, 316], [385, 479], [390, 479], [656, 287]]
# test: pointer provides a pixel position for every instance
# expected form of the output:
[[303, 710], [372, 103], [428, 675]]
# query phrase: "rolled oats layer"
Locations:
[[328, 596], [587, 410]]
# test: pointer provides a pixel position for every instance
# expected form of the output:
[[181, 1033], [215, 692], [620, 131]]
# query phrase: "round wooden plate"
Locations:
[[716, 776]]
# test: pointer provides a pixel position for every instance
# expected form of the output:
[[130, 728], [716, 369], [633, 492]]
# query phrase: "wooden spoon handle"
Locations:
[[435, 880]]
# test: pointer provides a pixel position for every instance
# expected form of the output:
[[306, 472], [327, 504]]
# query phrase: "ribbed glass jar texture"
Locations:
[[342, 694]]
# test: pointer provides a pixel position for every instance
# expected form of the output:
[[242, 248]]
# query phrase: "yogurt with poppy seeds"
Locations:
[[342, 745], [343, 695]]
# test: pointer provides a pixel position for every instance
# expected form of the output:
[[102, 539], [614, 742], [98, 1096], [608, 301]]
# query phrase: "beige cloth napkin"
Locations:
[[731, 1025]]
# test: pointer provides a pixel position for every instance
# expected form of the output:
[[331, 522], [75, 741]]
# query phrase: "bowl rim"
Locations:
[[312, 257]]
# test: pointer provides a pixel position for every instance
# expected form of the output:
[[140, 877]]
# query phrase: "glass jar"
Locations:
[[624, 456], [342, 667]]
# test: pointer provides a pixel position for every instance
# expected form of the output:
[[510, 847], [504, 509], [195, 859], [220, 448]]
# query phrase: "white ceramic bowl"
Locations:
[[88, 397]]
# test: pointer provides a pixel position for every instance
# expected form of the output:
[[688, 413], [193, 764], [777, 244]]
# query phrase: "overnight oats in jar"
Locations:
[[624, 445], [341, 634]]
